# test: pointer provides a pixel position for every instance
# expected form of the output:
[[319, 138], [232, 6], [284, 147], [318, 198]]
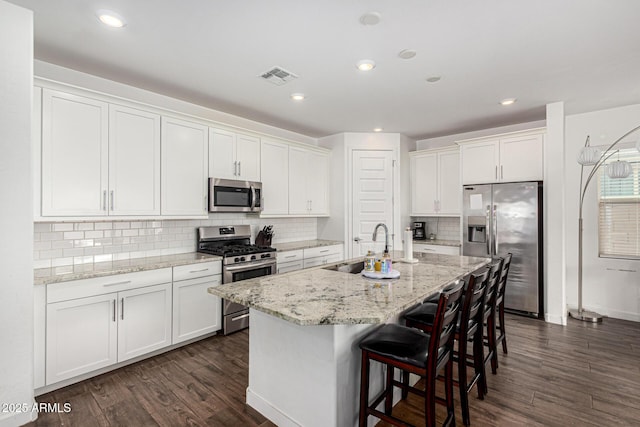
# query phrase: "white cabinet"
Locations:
[[184, 168], [233, 155], [274, 166], [510, 157], [436, 249], [435, 182], [196, 312], [39, 335], [322, 255], [308, 182], [94, 323], [98, 159], [290, 261]]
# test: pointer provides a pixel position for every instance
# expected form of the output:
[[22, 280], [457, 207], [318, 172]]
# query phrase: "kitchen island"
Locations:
[[304, 361]]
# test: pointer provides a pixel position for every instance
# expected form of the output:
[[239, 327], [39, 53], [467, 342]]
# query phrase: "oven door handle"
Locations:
[[253, 198], [250, 266]]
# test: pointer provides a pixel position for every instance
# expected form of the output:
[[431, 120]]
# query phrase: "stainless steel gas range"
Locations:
[[240, 260]]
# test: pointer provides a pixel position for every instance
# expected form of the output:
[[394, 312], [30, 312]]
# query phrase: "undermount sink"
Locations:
[[352, 268]]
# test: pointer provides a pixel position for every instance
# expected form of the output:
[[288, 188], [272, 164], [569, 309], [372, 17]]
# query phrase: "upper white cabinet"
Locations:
[[274, 159], [435, 182], [233, 155], [98, 159], [308, 182], [184, 168], [510, 157]]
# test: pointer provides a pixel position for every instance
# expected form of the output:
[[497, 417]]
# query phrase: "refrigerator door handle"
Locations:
[[487, 229], [495, 230]]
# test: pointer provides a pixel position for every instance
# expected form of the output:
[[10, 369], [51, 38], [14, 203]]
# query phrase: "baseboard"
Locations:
[[274, 415], [555, 318], [15, 419]]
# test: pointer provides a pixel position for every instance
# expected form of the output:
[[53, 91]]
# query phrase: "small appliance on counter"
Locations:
[[419, 230]]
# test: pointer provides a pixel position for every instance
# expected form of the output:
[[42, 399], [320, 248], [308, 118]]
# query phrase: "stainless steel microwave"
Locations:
[[228, 195]]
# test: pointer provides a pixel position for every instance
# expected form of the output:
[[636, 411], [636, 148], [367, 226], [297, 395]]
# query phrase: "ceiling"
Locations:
[[211, 52]]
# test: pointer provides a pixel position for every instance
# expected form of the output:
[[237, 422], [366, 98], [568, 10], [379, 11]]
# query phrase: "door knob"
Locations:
[[356, 239]]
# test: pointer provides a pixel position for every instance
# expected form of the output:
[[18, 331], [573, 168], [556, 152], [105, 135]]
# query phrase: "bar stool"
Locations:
[[469, 328], [501, 337], [489, 316], [415, 352]]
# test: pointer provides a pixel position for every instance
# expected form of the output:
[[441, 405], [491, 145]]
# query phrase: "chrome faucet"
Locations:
[[386, 235]]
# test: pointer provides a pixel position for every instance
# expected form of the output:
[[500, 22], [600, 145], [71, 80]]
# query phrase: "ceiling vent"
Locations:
[[278, 76]]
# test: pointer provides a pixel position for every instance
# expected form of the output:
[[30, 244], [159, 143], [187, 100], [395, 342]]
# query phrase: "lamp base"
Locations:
[[586, 316]]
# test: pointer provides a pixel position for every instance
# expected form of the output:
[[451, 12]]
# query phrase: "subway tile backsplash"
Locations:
[[66, 243], [445, 228]]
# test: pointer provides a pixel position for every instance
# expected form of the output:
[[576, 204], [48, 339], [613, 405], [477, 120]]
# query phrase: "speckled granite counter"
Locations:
[[304, 244], [318, 296], [455, 243], [43, 276]]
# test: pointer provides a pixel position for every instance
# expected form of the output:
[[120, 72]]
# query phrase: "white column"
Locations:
[[555, 245]]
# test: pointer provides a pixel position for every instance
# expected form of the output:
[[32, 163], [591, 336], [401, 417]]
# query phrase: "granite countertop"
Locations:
[[317, 296], [43, 276], [304, 244], [438, 242]]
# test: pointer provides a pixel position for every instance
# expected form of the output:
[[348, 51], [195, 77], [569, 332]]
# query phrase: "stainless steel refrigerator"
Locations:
[[502, 218]]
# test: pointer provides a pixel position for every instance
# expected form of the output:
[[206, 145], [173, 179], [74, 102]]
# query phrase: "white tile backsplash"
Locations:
[[445, 228], [65, 243]]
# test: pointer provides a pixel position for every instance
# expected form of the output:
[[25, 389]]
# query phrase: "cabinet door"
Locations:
[[521, 158], [222, 154], [449, 192], [317, 176], [290, 266], [480, 162], [144, 323], [298, 200], [424, 184], [134, 162], [195, 311], [184, 168], [274, 167], [74, 155], [81, 336], [39, 335], [248, 157]]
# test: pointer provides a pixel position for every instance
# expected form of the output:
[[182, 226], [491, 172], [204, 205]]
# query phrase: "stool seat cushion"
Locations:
[[400, 343], [424, 313]]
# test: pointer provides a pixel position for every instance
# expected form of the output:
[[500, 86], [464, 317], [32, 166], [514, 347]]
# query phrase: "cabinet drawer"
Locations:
[[437, 249], [102, 285], [290, 266], [322, 251], [314, 262], [193, 271], [289, 256]]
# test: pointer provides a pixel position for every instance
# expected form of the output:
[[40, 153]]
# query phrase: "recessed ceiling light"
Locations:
[[366, 65], [407, 53], [508, 101], [377, 129], [433, 79], [110, 18], [297, 96], [370, 18]]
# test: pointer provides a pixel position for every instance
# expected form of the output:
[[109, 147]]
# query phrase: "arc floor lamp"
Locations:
[[591, 156]]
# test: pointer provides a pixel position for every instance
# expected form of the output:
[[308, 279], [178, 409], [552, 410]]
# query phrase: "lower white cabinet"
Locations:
[[323, 255], [39, 335], [195, 311], [436, 249]]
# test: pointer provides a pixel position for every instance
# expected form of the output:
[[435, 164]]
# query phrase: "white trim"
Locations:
[[18, 418], [274, 415], [552, 318], [534, 131]]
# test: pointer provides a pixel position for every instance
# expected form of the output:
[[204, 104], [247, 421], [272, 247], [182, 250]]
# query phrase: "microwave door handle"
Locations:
[[253, 198]]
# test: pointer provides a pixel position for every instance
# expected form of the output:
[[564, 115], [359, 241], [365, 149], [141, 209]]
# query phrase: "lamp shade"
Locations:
[[618, 169], [588, 156]]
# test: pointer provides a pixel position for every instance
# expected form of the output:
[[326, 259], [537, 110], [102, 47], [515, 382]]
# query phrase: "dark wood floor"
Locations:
[[581, 374]]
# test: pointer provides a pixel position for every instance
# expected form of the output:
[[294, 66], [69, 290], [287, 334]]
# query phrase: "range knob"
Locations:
[[253, 257], [242, 258], [236, 260]]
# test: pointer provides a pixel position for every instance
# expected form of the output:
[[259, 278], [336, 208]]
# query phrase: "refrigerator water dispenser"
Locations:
[[477, 229]]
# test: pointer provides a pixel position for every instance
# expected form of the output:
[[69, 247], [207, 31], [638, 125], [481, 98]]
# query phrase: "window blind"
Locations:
[[619, 210]]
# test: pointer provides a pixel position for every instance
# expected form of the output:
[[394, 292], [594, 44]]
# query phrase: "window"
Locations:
[[619, 210]]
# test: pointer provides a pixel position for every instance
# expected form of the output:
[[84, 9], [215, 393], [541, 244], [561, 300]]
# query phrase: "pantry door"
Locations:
[[372, 200]]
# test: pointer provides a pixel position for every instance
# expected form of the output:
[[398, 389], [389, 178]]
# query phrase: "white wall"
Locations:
[[606, 289], [333, 227], [16, 226], [443, 141]]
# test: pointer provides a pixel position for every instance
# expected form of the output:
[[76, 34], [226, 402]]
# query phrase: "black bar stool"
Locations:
[[489, 316], [415, 352], [501, 336], [469, 329]]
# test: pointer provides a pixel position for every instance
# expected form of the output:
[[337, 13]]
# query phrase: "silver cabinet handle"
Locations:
[[495, 230], [112, 200], [290, 256], [233, 319], [501, 172], [239, 168], [242, 267], [326, 250], [114, 310], [198, 271], [104, 200], [496, 171], [487, 234], [235, 168], [122, 308], [117, 283]]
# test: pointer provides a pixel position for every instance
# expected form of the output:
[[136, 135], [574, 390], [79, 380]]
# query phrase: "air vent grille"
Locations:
[[278, 76]]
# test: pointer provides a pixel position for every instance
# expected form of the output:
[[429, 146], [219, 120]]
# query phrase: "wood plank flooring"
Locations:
[[581, 374]]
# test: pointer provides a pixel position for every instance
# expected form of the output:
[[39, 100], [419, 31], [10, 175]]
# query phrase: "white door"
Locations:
[[248, 157], [184, 168], [450, 196], [145, 320], [195, 311], [74, 155], [275, 177], [372, 180], [134, 162], [81, 336], [222, 154]]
